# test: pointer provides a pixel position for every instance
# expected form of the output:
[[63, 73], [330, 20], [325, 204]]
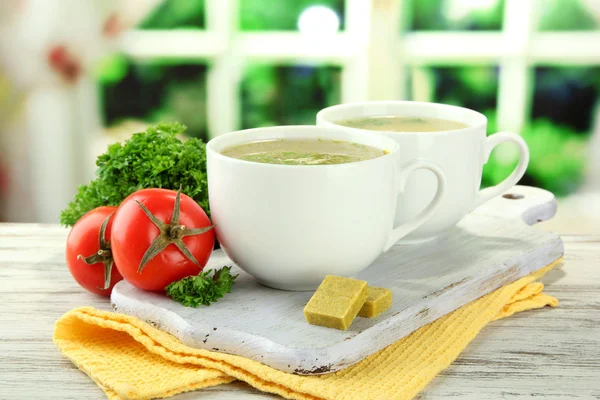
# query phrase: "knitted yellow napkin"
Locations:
[[130, 359]]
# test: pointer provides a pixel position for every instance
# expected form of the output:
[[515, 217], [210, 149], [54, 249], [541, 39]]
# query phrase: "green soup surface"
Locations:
[[303, 152], [402, 124]]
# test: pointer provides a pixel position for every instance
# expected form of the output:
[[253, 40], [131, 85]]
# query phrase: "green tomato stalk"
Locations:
[[171, 233], [104, 254]]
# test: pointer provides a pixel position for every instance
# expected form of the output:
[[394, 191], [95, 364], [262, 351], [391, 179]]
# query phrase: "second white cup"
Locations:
[[461, 154]]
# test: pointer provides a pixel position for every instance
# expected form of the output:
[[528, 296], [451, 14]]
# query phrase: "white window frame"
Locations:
[[373, 45]]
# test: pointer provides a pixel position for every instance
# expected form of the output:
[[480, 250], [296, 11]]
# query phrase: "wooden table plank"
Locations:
[[550, 353]]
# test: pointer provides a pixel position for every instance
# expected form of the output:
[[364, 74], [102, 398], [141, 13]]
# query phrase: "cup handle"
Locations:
[[491, 142], [405, 171]]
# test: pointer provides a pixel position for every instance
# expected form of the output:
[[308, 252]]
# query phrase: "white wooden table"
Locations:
[[550, 353]]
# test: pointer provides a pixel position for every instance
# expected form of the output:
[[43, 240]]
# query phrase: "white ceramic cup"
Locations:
[[291, 225], [460, 153]]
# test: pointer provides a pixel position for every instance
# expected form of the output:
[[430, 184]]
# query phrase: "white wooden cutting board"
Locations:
[[491, 247]]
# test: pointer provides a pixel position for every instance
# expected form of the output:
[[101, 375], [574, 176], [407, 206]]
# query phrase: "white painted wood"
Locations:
[[354, 88], [510, 205], [547, 353], [357, 20], [420, 48], [422, 84], [489, 48], [151, 44], [454, 48], [224, 73], [386, 72], [514, 86], [566, 48], [293, 48], [427, 281], [372, 28]]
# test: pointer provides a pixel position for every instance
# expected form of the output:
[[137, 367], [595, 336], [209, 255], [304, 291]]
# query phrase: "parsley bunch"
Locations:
[[201, 289], [152, 159]]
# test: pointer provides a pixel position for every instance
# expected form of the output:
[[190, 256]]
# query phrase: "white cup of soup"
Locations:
[[452, 137], [292, 204]]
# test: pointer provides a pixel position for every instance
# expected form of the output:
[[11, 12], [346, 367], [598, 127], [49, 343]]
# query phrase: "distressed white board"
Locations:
[[491, 247]]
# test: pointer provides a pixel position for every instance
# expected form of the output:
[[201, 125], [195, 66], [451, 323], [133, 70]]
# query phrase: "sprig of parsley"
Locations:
[[201, 289], [152, 159]]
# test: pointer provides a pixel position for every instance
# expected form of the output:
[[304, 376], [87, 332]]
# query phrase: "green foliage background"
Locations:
[[175, 90]]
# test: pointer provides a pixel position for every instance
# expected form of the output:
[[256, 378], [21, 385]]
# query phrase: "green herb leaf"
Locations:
[[194, 291], [152, 159]]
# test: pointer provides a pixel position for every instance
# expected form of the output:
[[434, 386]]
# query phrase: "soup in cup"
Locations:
[[292, 204], [452, 137]]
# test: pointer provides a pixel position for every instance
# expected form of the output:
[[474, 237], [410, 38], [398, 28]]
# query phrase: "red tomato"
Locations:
[[136, 234], [83, 244]]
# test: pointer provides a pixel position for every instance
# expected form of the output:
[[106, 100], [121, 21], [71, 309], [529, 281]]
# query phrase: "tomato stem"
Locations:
[[104, 254], [171, 233], [176, 232]]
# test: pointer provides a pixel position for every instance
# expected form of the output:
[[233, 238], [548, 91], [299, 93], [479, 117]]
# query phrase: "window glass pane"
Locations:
[[270, 15], [570, 15], [562, 117], [567, 95], [473, 87], [456, 15], [176, 14], [153, 92], [287, 95]]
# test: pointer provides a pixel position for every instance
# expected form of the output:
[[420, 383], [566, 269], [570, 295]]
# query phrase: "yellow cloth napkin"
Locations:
[[130, 359]]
